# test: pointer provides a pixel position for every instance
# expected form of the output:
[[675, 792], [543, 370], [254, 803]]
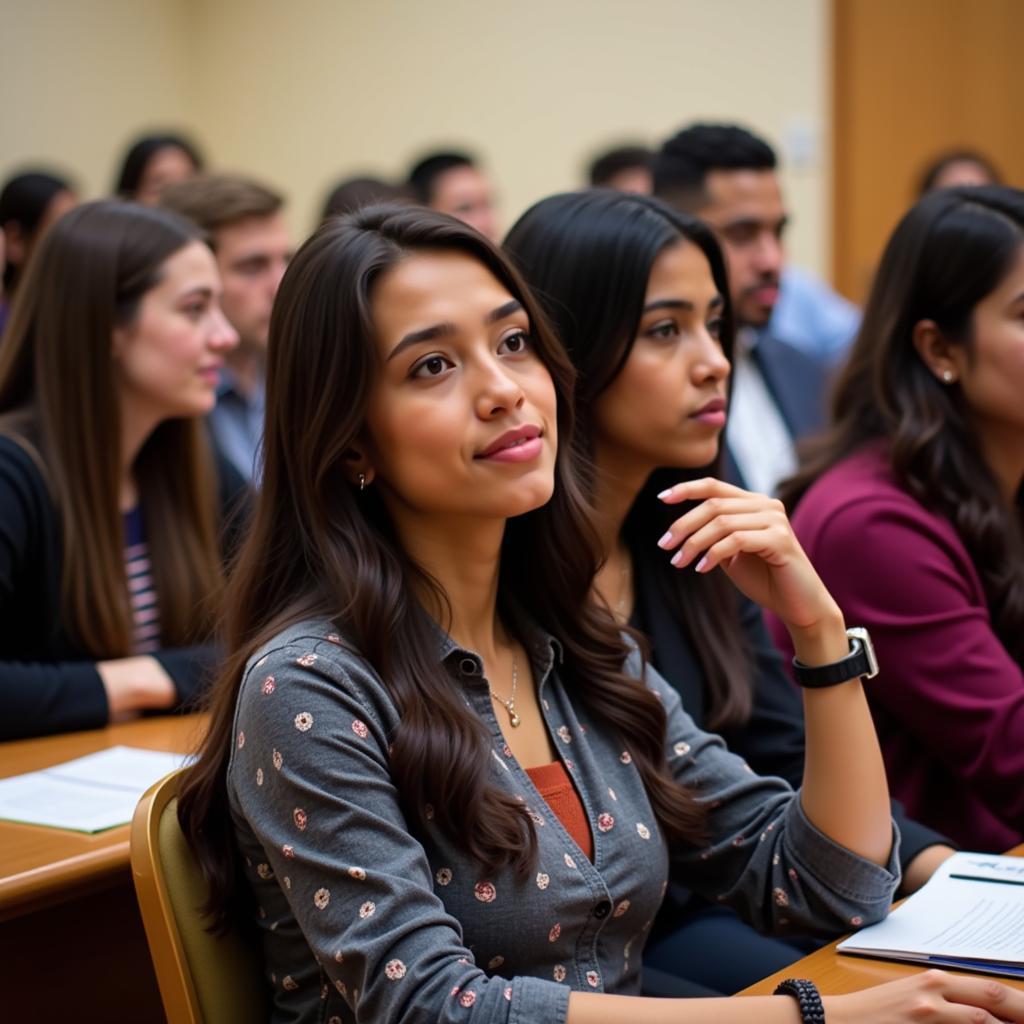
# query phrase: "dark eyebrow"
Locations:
[[446, 329], [746, 223], [200, 291], [683, 304], [510, 307], [415, 337]]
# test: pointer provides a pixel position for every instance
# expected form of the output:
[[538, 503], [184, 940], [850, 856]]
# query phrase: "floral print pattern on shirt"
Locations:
[[357, 913]]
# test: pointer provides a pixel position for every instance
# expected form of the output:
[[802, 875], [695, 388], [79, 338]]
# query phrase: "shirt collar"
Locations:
[[748, 337], [539, 643], [228, 385]]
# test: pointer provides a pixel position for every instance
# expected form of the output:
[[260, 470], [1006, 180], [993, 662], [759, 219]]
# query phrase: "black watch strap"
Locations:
[[859, 662], [807, 996]]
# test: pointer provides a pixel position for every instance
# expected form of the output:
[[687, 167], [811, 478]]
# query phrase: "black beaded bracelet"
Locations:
[[807, 996]]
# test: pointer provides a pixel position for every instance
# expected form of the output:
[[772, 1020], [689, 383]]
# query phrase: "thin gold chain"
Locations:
[[510, 703]]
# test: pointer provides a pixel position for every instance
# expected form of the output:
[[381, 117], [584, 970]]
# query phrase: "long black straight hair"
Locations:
[[948, 253], [317, 548], [588, 257]]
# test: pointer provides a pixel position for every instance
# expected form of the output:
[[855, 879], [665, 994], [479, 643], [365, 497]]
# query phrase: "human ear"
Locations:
[[943, 358], [119, 342], [358, 468]]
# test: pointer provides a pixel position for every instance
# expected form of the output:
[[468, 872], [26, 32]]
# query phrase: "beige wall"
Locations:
[[305, 91], [80, 77]]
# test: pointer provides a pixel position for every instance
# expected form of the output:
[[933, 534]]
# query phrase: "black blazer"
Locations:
[[797, 382], [47, 682], [772, 741]]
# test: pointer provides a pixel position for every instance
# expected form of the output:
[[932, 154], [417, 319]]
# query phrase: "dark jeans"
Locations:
[[713, 953]]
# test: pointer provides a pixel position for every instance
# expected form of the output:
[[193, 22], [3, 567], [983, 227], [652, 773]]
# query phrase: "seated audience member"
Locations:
[[353, 194], [727, 177], [639, 296], [246, 229], [29, 204], [911, 509], [625, 168], [958, 167], [110, 503], [154, 162], [436, 776], [453, 183]]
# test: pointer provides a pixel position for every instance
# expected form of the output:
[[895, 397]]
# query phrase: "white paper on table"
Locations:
[[969, 914], [88, 794]]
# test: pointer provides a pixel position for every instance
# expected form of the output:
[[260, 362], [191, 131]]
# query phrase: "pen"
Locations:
[[997, 881]]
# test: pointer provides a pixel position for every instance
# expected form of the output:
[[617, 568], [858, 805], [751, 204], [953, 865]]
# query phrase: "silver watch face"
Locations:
[[861, 634]]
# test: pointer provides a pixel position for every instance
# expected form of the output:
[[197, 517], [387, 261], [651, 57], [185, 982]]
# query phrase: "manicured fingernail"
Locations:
[[676, 558], [665, 494], [666, 540], [701, 565]]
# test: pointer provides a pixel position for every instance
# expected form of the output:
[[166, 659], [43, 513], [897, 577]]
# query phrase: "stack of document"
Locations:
[[89, 794], [969, 915]]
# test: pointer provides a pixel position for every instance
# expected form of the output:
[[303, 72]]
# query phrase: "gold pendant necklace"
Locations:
[[510, 704]]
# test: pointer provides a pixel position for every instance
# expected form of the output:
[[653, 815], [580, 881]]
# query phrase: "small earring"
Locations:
[[362, 482], [947, 376]]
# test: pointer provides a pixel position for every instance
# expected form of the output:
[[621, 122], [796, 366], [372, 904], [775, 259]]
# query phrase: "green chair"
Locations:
[[203, 978]]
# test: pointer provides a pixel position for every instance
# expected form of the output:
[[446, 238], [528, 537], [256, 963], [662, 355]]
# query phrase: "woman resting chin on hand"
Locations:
[[641, 300]]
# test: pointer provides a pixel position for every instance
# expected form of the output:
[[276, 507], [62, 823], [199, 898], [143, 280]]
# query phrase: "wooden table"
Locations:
[[69, 923], [835, 973]]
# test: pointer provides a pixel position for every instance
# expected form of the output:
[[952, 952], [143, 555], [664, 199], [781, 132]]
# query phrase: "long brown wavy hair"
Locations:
[[950, 251], [588, 257], [58, 399], [313, 549]]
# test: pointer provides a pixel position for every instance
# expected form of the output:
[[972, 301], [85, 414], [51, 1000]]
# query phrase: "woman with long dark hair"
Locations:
[[152, 163], [639, 296], [437, 779], [110, 503], [29, 203], [912, 509]]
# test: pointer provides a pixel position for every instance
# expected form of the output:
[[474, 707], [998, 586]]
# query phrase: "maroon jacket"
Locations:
[[949, 700]]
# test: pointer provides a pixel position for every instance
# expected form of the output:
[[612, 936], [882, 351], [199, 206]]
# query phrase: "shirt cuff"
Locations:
[[535, 1001], [846, 873]]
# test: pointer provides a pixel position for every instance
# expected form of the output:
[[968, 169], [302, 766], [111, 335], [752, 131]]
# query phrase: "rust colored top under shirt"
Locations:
[[554, 784]]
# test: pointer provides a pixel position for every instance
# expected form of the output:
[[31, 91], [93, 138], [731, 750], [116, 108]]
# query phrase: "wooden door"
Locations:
[[913, 78]]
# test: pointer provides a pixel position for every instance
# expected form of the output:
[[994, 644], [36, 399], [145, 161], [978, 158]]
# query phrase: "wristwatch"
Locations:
[[861, 661]]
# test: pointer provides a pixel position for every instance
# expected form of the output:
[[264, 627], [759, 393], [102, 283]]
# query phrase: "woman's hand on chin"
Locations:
[[750, 537]]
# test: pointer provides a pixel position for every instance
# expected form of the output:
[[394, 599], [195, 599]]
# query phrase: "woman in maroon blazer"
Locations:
[[911, 510]]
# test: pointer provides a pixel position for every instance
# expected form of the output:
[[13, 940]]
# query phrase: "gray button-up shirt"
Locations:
[[366, 918]]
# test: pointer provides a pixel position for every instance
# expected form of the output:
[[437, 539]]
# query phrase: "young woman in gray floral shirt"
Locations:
[[413, 645]]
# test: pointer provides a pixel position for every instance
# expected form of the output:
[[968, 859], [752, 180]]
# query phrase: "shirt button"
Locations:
[[468, 666], [602, 909]]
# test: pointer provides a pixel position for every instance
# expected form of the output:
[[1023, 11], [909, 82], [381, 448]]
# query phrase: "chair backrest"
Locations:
[[203, 978]]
